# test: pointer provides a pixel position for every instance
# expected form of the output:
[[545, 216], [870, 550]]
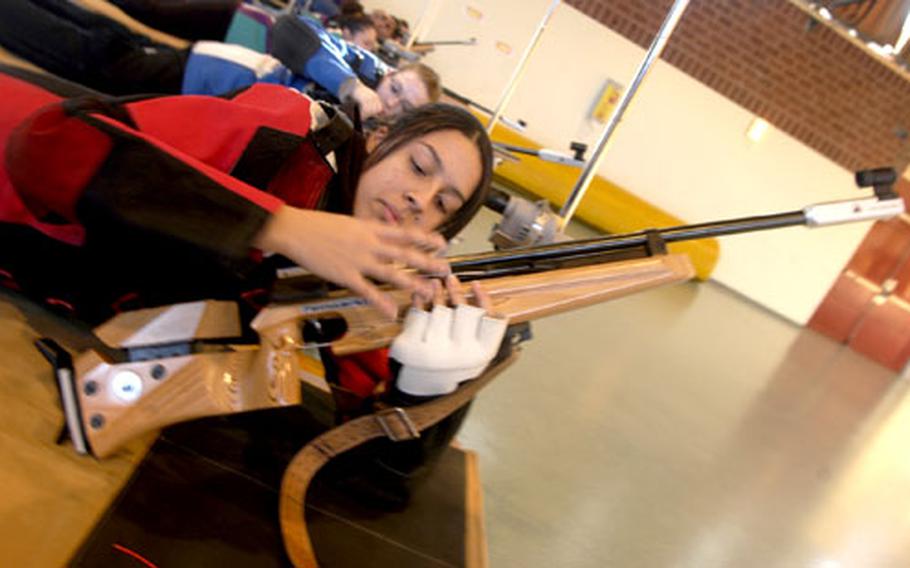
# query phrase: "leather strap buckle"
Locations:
[[405, 429]]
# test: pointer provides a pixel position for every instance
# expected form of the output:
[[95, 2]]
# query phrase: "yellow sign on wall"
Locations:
[[473, 12], [609, 97]]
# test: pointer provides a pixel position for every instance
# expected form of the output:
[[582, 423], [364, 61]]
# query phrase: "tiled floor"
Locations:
[[686, 427]]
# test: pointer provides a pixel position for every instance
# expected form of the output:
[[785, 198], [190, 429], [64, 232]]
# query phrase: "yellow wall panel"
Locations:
[[605, 206]]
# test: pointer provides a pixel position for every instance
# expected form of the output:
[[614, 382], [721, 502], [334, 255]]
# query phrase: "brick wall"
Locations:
[[813, 84]]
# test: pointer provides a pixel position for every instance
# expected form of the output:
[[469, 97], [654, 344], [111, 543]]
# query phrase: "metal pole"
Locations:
[[421, 24], [657, 46], [519, 70]]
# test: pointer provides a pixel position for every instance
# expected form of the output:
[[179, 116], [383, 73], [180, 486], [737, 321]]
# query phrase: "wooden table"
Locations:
[[52, 497]]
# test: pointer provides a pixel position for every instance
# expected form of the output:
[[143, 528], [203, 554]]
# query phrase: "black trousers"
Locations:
[[89, 48], [190, 19]]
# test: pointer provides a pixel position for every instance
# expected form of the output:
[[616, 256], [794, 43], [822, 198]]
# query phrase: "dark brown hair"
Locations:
[[434, 118], [402, 28], [352, 9], [355, 24]]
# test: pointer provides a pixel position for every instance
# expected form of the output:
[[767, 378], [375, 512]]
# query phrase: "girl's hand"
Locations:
[[366, 98], [455, 295], [345, 251], [439, 349]]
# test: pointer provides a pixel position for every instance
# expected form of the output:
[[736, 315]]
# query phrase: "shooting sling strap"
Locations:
[[397, 424]]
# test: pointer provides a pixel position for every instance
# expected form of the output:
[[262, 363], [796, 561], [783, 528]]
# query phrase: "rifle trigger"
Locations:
[[516, 334], [519, 333]]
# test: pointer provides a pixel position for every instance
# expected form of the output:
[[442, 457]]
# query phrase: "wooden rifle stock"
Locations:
[[176, 372], [517, 298]]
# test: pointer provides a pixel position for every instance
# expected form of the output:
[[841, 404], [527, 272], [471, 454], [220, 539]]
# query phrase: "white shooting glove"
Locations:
[[441, 348]]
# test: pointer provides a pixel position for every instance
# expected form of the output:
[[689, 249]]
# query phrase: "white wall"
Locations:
[[681, 145]]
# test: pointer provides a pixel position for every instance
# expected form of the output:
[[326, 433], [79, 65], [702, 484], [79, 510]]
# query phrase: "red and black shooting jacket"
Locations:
[[109, 204]]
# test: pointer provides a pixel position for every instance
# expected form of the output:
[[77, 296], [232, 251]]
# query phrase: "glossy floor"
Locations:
[[686, 427]]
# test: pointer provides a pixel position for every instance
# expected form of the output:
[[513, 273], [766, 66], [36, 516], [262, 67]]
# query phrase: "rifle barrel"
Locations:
[[517, 149], [588, 251], [472, 41]]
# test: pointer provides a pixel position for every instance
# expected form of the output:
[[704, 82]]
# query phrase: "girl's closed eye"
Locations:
[[441, 205], [418, 169]]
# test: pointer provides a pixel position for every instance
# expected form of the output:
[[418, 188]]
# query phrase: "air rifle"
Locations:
[[575, 159], [517, 125], [186, 361]]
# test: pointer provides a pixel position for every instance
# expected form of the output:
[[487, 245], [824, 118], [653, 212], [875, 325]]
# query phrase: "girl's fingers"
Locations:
[[411, 237], [413, 258], [439, 295], [398, 278], [383, 302], [423, 299], [453, 287], [481, 297]]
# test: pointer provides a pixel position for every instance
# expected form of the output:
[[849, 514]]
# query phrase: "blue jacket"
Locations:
[[215, 68], [337, 61]]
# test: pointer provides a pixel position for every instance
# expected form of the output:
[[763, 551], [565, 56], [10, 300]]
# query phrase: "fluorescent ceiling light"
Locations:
[[905, 35], [757, 129]]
